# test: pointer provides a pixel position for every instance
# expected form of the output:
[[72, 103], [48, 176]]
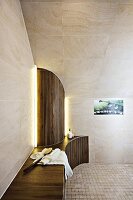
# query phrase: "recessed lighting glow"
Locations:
[[35, 106], [66, 115]]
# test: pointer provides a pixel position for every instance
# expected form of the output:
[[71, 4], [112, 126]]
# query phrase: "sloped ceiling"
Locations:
[[87, 43]]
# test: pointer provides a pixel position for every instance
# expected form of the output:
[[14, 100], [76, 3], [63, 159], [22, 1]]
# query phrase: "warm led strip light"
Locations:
[[66, 115], [35, 106]]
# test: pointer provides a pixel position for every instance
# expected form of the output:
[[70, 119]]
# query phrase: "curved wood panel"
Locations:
[[77, 151], [50, 108]]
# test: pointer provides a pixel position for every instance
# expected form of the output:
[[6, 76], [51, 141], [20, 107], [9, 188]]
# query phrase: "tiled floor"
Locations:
[[101, 182]]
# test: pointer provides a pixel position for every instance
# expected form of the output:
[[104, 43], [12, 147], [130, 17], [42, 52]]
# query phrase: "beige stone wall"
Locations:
[[89, 45], [16, 63]]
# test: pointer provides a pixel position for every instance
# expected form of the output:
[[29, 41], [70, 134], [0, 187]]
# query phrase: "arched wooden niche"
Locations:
[[50, 108]]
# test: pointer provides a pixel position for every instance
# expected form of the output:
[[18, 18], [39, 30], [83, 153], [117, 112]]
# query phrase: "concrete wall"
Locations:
[[16, 83], [89, 45]]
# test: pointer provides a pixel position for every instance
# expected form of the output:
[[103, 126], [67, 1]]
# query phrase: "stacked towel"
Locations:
[[57, 157]]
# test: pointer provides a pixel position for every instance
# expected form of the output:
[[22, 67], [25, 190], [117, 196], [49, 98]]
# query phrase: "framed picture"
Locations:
[[108, 107]]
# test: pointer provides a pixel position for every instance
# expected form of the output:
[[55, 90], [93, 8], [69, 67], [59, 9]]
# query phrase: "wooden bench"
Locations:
[[47, 182]]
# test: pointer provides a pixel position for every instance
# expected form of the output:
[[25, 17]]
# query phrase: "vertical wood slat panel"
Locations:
[[50, 116], [77, 151]]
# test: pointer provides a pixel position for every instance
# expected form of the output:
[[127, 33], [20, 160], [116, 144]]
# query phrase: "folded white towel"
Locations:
[[57, 157]]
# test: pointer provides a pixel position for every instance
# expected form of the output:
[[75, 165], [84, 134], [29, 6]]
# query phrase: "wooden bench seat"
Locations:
[[47, 182], [42, 182]]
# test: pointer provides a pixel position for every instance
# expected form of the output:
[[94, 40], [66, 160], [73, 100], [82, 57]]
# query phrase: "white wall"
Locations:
[[89, 45], [16, 66]]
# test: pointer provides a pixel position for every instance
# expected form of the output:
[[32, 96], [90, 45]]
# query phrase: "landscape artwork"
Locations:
[[108, 107]]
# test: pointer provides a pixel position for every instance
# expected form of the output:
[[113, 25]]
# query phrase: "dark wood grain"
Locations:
[[47, 182], [42, 183], [50, 108], [77, 151]]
